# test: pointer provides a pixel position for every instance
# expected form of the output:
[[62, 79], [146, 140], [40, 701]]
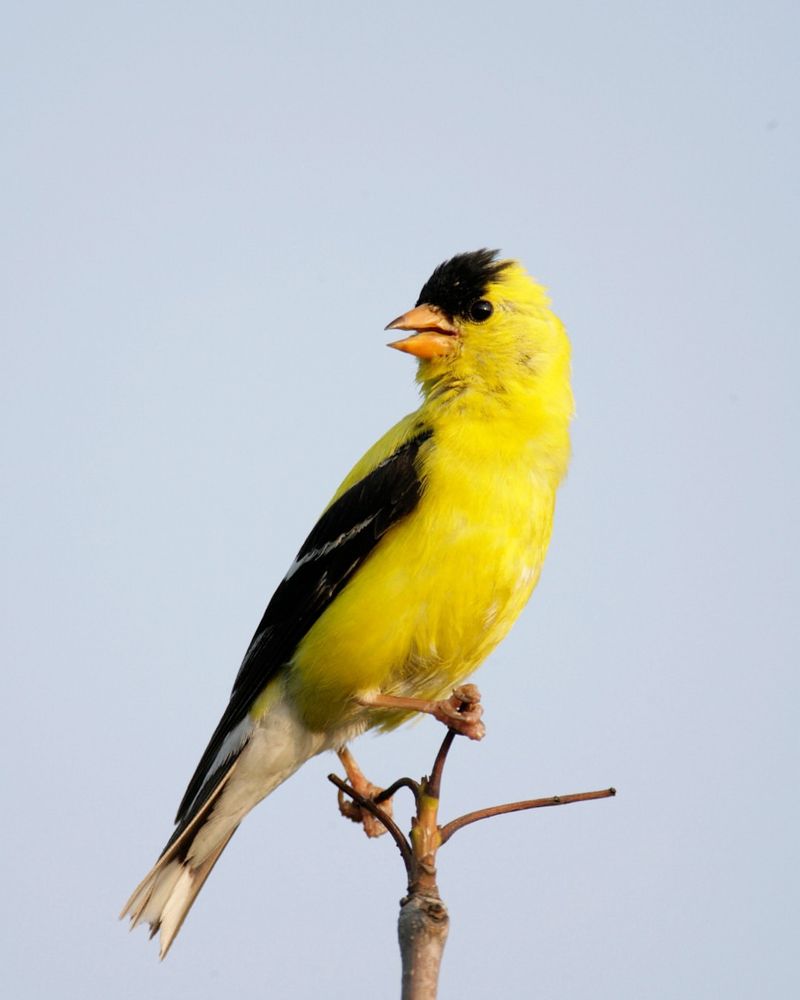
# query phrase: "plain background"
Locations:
[[209, 213]]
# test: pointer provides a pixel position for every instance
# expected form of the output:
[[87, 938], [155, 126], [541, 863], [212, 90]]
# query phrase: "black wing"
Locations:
[[341, 540]]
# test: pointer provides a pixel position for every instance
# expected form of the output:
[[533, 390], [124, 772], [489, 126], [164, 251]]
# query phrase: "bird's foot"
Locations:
[[461, 712], [351, 810]]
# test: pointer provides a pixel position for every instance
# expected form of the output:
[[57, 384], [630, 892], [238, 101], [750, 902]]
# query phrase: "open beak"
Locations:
[[435, 335]]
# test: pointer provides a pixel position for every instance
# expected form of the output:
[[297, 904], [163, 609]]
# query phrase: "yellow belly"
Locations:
[[438, 593]]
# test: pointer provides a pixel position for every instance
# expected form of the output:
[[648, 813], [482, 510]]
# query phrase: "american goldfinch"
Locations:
[[416, 569]]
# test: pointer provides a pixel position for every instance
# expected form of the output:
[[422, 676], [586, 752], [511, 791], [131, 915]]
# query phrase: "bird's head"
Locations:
[[480, 320]]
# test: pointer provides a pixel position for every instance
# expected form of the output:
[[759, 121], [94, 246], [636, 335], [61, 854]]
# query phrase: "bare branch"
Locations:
[[399, 838], [450, 828], [422, 931], [423, 922], [434, 783], [387, 793]]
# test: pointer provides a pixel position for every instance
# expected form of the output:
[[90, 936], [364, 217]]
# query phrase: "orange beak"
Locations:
[[435, 335]]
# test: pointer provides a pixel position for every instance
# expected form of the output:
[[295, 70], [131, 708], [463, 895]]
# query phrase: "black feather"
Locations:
[[460, 281], [340, 541]]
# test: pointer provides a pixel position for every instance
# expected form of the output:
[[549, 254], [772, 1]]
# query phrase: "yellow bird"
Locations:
[[416, 569]]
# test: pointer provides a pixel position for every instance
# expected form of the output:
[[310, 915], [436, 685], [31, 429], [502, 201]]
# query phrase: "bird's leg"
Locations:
[[462, 711], [372, 826]]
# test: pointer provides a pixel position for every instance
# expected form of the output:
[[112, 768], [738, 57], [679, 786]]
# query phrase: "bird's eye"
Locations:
[[480, 310]]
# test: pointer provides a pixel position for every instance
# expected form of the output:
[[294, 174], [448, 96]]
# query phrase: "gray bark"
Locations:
[[422, 929]]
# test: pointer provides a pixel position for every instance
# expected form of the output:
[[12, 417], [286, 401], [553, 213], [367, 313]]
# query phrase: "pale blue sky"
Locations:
[[210, 213]]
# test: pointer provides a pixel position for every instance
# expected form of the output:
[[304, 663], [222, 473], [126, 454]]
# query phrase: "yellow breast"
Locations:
[[444, 586]]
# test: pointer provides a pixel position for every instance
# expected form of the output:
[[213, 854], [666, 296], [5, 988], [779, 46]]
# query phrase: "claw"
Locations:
[[462, 712], [351, 810]]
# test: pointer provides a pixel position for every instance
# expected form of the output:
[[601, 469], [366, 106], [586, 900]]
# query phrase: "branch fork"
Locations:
[[423, 922]]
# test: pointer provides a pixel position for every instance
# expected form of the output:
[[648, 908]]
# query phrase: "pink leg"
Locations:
[[462, 711], [372, 826]]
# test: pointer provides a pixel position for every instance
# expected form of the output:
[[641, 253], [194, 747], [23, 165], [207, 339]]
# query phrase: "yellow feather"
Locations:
[[444, 586]]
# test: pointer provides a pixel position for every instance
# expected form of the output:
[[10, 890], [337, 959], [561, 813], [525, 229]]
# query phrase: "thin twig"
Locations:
[[450, 828], [433, 784], [398, 836], [387, 793]]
